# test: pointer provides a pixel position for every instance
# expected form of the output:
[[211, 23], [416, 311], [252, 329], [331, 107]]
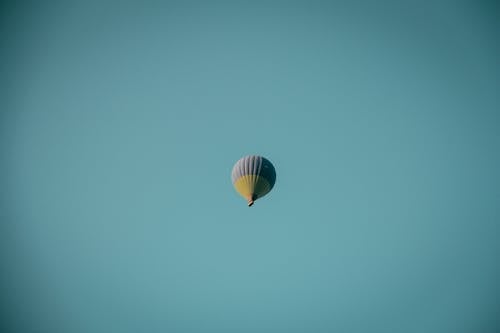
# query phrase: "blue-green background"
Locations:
[[120, 124]]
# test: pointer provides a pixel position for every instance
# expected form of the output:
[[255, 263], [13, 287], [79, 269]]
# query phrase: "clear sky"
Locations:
[[120, 124]]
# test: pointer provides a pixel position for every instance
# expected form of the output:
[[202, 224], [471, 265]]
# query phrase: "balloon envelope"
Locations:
[[253, 177]]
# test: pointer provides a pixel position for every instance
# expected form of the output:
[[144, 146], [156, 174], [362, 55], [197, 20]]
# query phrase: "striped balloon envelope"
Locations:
[[253, 177]]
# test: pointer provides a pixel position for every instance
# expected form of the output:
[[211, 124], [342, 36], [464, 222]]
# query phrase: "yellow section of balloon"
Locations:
[[252, 187]]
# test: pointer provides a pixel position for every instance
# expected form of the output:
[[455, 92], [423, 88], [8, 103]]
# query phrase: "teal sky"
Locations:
[[120, 124]]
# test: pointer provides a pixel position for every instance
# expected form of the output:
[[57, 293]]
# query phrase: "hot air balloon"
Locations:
[[253, 177]]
